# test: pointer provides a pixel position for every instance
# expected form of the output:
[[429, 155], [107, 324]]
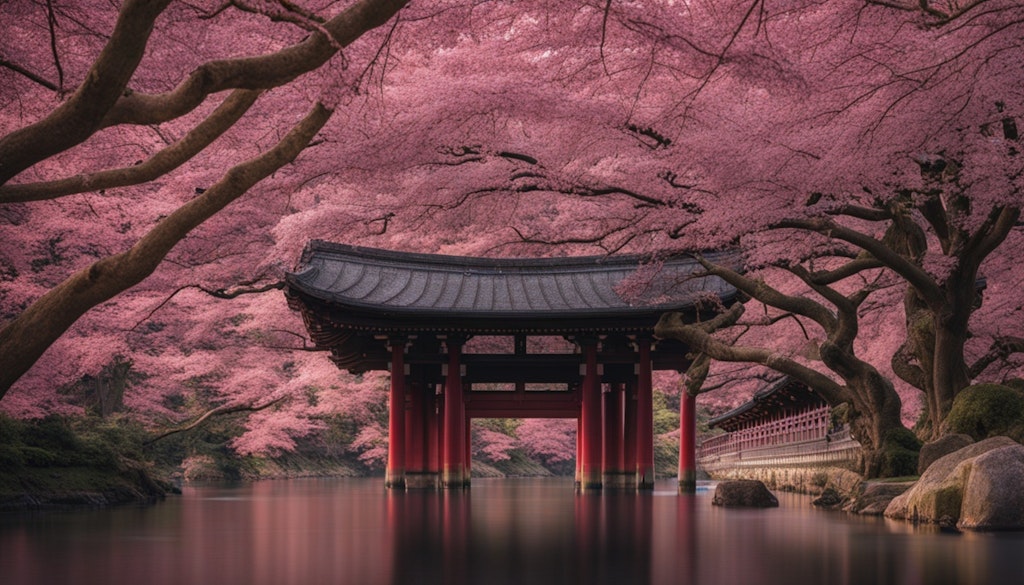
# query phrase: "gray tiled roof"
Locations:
[[428, 284]]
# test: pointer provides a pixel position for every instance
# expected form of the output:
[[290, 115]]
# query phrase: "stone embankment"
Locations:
[[963, 486]]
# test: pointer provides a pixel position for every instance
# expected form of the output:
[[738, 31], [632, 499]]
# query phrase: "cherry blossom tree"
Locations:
[[851, 149], [553, 441], [504, 128], [113, 93]]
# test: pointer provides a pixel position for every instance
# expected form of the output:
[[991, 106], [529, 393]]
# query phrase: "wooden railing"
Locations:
[[803, 439]]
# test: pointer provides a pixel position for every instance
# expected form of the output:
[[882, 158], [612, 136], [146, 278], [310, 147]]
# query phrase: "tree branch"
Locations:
[[912, 273], [29, 74], [102, 101], [671, 326], [260, 72], [79, 117], [771, 296], [1001, 348], [24, 339], [161, 163], [220, 410], [220, 293]]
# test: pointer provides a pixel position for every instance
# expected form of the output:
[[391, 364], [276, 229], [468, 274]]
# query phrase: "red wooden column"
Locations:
[[433, 432], [579, 450], [614, 473], [453, 468], [467, 444], [687, 443], [645, 417], [396, 418], [418, 474], [629, 439], [590, 415]]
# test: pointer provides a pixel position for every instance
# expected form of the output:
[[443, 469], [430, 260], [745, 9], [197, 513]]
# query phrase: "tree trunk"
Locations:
[[888, 448]]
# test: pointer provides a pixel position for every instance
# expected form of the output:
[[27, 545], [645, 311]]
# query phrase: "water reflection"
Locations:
[[502, 531]]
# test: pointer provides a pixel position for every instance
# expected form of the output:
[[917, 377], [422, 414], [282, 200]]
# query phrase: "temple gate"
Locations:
[[575, 349]]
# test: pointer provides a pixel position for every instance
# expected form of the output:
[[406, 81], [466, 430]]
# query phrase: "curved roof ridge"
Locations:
[[532, 283], [463, 262]]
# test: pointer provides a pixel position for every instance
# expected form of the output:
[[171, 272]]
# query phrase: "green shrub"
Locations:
[[52, 433], [37, 457], [900, 449], [11, 456]]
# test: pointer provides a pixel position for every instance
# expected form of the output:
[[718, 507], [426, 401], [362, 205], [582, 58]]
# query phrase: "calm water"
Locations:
[[537, 531]]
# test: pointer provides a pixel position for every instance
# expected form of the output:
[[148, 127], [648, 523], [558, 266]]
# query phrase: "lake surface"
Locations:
[[530, 531]]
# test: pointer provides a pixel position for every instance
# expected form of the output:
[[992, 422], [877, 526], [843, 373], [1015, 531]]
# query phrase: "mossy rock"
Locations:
[[988, 410]]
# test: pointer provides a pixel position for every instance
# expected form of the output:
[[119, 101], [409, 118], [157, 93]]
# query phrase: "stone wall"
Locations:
[[804, 480]]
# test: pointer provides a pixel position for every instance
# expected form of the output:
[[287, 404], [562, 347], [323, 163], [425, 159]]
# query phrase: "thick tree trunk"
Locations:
[[936, 336], [888, 448], [949, 367]]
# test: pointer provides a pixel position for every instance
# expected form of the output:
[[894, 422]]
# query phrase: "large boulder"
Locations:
[[743, 493], [930, 452], [968, 488], [993, 498]]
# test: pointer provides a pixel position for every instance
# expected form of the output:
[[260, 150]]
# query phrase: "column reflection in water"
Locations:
[[520, 533]]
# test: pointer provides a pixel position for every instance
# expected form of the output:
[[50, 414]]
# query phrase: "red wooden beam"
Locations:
[[433, 431]]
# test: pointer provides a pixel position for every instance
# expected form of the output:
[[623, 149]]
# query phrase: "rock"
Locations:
[[747, 493], [941, 447], [829, 498], [873, 497], [993, 499], [943, 488]]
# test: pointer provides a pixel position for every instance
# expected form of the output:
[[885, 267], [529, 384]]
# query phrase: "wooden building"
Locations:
[[785, 424], [562, 343]]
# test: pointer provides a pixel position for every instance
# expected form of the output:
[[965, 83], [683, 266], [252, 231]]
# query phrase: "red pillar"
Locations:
[[579, 450], [645, 418], [433, 431], [418, 474], [396, 418], [413, 447], [453, 472], [629, 440], [687, 443], [613, 436], [467, 442], [590, 473]]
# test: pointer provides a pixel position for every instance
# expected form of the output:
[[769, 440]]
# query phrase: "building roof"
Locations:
[[771, 400], [397, 285]]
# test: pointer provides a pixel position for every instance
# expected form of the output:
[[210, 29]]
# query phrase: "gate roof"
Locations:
[[372, 288], [353, 299]]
